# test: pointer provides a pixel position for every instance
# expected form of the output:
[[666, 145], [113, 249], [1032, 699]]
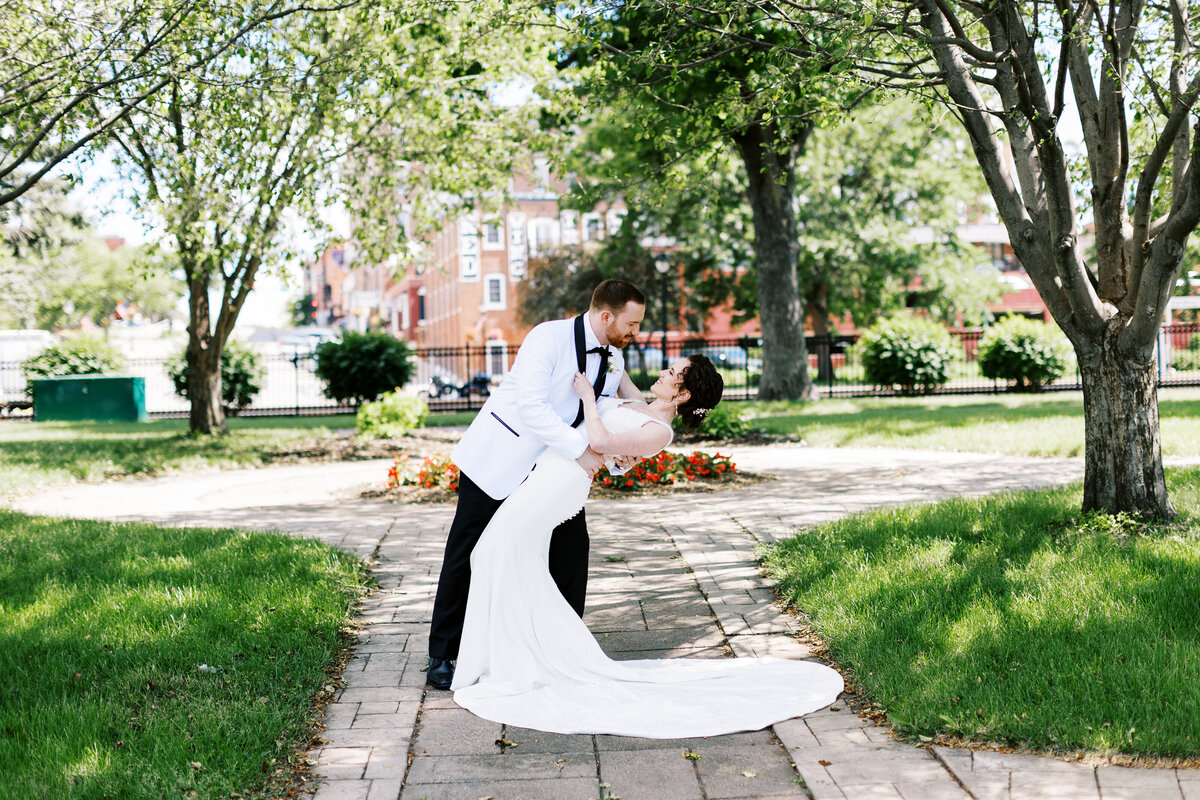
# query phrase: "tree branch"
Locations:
[[1166, 255]]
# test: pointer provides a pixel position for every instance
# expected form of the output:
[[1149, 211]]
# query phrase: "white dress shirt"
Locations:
[[533, 408]]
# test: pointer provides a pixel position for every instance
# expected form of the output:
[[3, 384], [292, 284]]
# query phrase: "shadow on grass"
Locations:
[[1002, 619], [103, 629]]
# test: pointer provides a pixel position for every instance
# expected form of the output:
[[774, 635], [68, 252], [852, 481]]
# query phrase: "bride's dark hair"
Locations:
[[705, 385]]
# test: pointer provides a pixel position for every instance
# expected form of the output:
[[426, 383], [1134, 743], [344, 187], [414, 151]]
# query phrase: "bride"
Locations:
[[528, 660]]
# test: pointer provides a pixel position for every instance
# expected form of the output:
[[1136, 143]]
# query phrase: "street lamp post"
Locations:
[[663, 265]]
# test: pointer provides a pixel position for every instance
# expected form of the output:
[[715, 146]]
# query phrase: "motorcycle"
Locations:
[[439, 388]]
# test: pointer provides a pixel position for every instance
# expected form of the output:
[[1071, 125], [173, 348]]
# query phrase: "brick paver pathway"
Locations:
[[670, 576]]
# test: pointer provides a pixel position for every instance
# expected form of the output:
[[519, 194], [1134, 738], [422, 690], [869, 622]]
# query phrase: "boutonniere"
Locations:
[[612, 367]]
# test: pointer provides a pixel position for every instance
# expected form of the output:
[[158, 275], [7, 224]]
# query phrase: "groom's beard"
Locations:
[[616, 339]]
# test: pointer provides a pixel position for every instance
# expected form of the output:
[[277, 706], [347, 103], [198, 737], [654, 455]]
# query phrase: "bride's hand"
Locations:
[[583, 388], [626, 462]]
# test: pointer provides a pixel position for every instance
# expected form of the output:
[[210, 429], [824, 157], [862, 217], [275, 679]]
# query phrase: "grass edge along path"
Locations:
[[1022, 424], [143, 662], [40, 455], [1012, 620]]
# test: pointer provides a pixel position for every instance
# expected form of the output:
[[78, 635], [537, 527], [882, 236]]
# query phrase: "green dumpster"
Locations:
[[92, 397]]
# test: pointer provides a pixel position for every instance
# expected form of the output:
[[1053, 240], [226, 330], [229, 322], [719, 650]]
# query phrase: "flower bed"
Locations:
[[435, 478], [667, 468], [435, 472]]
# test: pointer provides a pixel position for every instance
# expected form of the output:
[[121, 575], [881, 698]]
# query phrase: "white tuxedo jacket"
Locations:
[[532, 409]]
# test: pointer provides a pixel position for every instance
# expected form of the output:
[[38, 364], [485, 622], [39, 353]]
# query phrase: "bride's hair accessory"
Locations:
[[703, 387]]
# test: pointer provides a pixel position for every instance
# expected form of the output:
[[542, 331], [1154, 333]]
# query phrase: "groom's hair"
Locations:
[[614, 293]]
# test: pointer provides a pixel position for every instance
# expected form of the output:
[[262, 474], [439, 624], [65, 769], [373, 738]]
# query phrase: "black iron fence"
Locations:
[[460, 378]]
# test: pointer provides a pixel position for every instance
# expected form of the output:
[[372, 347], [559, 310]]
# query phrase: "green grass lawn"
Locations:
[[1014, 424], [1012, 619], [104, 627], [43, 454]]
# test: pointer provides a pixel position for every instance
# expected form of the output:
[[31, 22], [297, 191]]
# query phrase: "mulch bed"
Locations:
[[419, 494], [345, 446], [752, 438]]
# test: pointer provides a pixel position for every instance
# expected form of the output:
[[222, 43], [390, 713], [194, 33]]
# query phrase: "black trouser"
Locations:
[[568, 565]]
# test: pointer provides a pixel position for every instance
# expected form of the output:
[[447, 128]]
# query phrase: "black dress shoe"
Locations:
[[440, 673]]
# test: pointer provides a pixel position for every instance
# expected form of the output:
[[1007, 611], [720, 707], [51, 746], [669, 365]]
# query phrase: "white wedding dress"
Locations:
[[528, 660]]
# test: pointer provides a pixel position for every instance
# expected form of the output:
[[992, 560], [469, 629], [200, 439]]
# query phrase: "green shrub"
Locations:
[[362, 366], [79, 355], [643, 380], [909, 353], [1187, 360], [726, 421], [1029, 353], [392, 415], [242, 374]]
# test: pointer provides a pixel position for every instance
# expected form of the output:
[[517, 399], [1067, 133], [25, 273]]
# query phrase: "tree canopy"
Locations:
[[384, 105], [56, 271], [1006, 70], [69, 72], [688, 85]]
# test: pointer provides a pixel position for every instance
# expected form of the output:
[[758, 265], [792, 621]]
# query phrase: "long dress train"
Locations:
[[528, 660]]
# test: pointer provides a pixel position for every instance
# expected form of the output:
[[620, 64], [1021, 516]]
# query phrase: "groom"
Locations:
[[533, 409]]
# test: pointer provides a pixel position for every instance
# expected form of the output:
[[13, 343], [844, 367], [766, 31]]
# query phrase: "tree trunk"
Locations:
[[816, 300], [204, 392], [203, 350], [1123, 456], [769, 167]]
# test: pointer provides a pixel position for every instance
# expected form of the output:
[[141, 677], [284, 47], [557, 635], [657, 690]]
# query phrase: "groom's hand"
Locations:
[[591, 461]]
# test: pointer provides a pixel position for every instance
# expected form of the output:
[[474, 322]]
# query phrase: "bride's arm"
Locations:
[[644, 441], [628, 389]]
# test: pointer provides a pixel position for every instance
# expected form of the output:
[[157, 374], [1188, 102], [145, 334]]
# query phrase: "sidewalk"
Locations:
[[670, 576]]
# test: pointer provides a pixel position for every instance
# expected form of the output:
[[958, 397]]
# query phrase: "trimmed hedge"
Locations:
[[362, 366], [79, 355], [906, 352], [1029, 353], [242, 374], [392, 415]]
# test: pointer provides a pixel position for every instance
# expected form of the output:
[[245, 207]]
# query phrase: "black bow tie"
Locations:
[[604, 355], [598, 384]]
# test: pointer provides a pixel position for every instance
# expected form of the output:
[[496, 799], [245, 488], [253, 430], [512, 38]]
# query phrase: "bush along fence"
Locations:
[[461, 378]]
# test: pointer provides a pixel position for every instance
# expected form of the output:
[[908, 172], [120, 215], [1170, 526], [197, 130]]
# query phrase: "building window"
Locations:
[[569, 221], [543, 234], [493, 235], [592, 227], [421, 306], [497, 357], [541, 172], [493, 294], [615, 217]]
